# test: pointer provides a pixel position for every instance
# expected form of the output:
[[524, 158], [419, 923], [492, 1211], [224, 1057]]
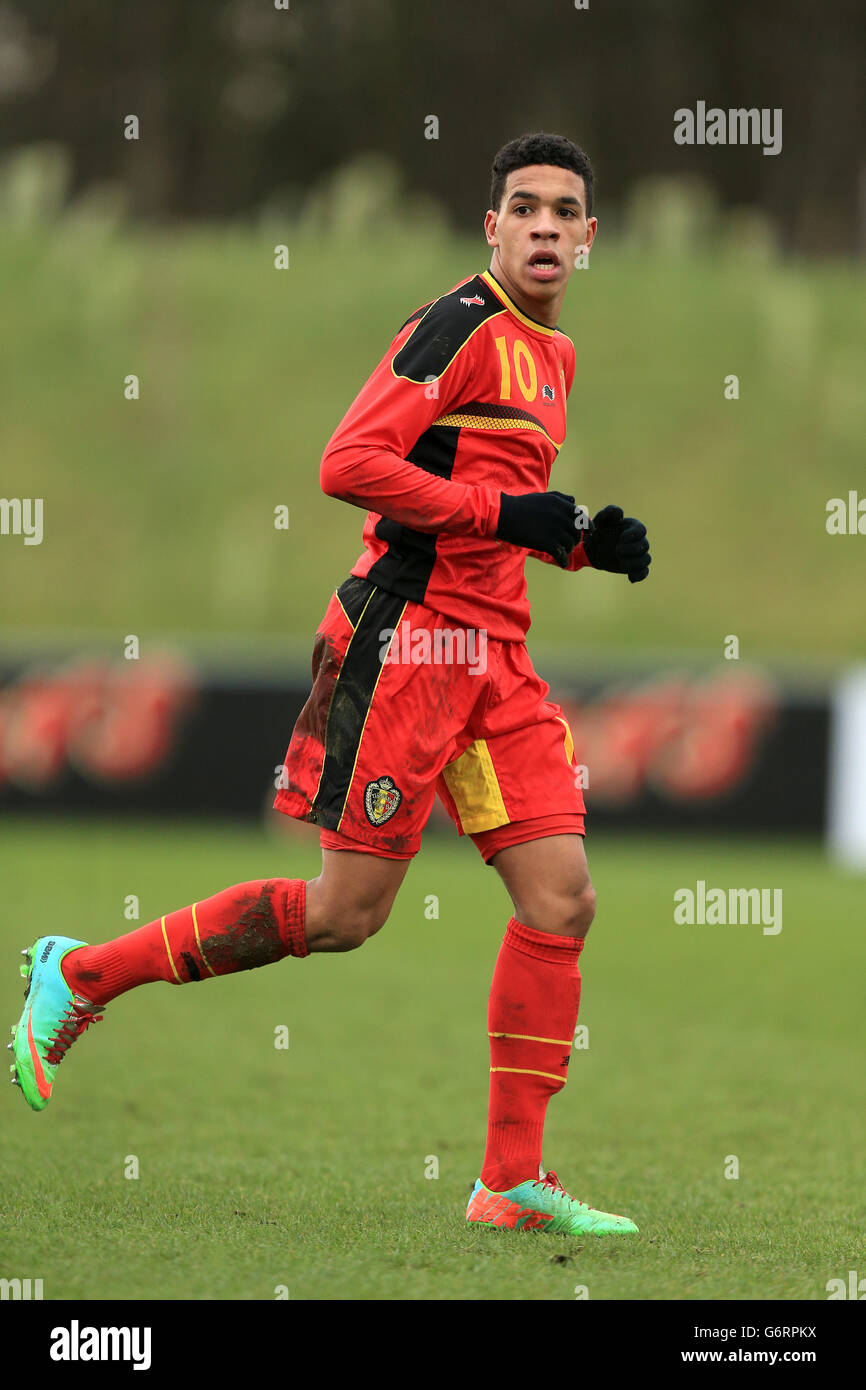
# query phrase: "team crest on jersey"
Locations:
[[475, 299], [381, 799], [548, 393]]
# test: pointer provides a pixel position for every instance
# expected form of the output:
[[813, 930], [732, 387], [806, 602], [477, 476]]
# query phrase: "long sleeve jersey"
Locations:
[[468, 402]]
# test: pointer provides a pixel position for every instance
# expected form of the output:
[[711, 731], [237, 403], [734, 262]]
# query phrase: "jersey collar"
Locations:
[[509, 303]]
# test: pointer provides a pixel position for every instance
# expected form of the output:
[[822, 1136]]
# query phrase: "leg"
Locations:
[[351, 899], [533, 1008], [549, 884], [534, 998], [243, 927]]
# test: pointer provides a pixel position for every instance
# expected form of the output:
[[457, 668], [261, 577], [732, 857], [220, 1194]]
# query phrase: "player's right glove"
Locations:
[[545, 521]]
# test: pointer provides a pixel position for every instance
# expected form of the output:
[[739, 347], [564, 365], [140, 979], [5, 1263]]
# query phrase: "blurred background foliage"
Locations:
[[243, 104], [306, 127]]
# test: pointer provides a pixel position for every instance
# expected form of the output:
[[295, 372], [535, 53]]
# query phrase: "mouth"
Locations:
[[543, 265]]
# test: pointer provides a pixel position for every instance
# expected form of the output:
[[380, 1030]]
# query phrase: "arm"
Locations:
[[578, 559], [367, 461], [379, 480], [429, 372]]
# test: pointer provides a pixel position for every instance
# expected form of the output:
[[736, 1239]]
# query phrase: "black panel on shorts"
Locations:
[[350, 702], [353, 594]]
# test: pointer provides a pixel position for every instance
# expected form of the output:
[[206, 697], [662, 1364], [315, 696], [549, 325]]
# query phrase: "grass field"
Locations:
[[305, 1167]]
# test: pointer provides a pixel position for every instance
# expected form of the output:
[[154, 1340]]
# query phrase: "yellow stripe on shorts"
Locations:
[[569, 741], [471, 780]]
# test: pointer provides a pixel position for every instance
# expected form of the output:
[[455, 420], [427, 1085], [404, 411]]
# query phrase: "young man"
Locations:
[[422, 684]]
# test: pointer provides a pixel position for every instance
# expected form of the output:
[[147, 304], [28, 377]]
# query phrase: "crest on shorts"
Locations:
[[381, 799]]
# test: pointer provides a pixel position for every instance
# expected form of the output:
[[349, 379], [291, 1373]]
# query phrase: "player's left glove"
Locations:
[[618, 543]]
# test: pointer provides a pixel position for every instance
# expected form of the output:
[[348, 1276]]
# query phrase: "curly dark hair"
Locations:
[[540, 148]]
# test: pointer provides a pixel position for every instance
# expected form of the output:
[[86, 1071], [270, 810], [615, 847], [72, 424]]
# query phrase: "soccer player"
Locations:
[[423, 685]]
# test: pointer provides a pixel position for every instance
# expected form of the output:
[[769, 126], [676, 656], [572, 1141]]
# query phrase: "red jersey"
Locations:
[[468, 402]]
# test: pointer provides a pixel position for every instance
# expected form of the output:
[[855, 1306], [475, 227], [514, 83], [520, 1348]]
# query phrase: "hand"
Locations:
[[618, 543], [545, 521]]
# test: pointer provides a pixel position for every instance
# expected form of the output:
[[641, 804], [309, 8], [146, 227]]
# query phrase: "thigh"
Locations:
[[383, 719], [351, 899], [357, 880]]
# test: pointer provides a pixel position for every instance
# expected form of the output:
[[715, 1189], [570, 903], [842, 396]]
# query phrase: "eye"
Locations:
[[570, 212]]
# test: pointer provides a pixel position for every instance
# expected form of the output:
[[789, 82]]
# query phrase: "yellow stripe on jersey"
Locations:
[[479, 422]]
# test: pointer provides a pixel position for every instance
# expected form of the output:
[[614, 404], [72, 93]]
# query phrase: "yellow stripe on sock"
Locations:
[[527, 1037], [198, 939], [530, 1071], [168, 949]]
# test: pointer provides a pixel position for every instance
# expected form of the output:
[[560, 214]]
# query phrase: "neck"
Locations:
[[546, 311]]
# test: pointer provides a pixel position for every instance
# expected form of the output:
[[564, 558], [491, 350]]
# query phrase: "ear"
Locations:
[[491, 219]]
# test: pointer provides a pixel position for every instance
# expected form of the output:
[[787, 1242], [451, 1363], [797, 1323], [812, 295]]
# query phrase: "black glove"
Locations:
[[618, 543], [540, 521]]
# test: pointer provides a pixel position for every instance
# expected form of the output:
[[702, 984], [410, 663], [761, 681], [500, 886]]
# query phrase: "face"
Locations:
[[538, 231]]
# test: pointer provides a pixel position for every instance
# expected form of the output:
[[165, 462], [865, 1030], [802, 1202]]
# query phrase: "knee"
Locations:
[[578, 911], [568, 912], [356, 926], [345, 927], [584, 909]]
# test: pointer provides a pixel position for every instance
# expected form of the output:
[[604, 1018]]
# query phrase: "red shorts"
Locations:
[[404, 706]]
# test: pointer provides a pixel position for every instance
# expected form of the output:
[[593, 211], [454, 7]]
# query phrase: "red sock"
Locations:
[[243, 927], [532, 1014]]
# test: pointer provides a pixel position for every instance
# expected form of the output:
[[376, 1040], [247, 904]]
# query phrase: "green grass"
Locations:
[[159, 512], [305, 1167]]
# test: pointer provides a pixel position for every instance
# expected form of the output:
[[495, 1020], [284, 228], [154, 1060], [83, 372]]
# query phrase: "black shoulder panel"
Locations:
[[413, 318], [444, 329]]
